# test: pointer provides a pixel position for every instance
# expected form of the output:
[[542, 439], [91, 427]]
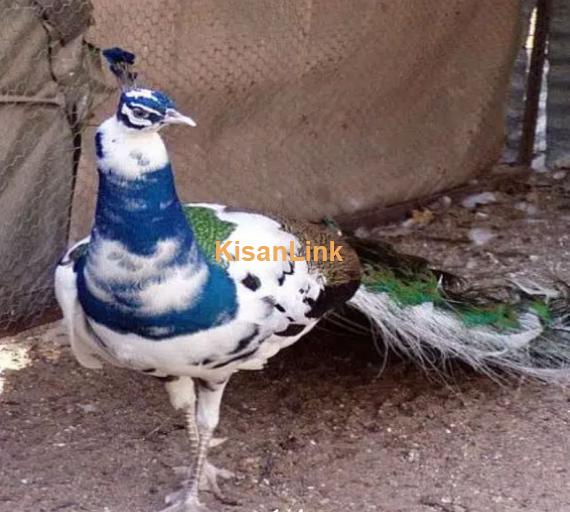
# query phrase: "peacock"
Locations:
[[168, 289]]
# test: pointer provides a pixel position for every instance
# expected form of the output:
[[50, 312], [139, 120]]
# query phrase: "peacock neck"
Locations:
[[139, 213], [143, 272], [137, 204]]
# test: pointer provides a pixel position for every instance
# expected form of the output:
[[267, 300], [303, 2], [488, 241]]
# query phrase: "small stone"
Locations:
[[87, 407], [412, 456], [474, 200], [481, 236], [529, 209]]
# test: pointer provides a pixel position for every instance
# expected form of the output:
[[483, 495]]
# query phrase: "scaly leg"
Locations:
[[192, 430], [182, 396], [207, 417], [210, 477]]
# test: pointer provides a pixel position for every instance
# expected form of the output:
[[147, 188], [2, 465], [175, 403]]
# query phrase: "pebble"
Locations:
[[481, 236], [529, 209], [474, 200], [412, 456], [87, 407]]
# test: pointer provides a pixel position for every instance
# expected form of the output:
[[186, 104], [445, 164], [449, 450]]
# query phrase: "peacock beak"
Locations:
[[174, 117]]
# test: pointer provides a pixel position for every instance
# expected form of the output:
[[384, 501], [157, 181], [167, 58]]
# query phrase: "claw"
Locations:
[[217, 441], [184, 503], [174, 497], [208, 482]]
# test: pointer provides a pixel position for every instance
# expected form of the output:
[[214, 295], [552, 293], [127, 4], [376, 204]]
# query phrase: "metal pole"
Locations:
[[534, 83]]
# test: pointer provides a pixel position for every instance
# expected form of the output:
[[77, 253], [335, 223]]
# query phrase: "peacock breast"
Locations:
[[168, 292]]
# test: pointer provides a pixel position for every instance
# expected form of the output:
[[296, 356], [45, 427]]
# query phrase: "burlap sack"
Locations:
[[319, 107]]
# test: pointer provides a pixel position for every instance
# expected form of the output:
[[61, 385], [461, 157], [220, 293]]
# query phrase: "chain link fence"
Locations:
[[46, 93]]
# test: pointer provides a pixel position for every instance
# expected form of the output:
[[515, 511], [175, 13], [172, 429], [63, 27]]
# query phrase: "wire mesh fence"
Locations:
[[313, 108], [45, 95]]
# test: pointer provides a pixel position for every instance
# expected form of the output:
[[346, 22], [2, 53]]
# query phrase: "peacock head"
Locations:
[[140, 109], [148, 110]]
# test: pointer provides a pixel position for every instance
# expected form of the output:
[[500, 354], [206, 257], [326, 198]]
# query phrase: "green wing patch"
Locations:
[[208, 229]]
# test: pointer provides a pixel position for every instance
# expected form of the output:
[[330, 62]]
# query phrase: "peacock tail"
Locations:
[[431, 315]]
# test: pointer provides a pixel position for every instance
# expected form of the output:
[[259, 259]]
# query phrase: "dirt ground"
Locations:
[[320, 430]]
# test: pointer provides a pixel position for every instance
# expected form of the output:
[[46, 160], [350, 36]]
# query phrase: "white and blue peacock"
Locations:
[[145, 291]]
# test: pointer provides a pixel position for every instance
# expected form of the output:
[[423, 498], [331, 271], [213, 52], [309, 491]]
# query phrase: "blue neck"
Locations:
[[140, 212]]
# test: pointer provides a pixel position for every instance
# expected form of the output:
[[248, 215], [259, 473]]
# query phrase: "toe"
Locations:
[[213, 472], [210, 475], [189, 504], [217, 441], [174, 497], [209, 482]]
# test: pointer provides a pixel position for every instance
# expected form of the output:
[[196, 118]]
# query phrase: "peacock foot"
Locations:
[[208, 482], [184, 502]]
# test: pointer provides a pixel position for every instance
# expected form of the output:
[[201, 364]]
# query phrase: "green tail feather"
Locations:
[[521, 329], [411, 281]]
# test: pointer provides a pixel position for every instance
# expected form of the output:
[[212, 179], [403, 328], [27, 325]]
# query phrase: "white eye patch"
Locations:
[[135, 121], [146, 108]]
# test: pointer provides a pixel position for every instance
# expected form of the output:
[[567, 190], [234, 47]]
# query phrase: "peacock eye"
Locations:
[[140, 113]]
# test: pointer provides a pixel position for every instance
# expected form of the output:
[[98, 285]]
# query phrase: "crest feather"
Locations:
[[121, 63]]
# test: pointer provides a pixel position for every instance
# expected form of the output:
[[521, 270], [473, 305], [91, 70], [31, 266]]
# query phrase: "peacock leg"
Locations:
[[183, 396], [210, 477], [207, 417], [192, 430]]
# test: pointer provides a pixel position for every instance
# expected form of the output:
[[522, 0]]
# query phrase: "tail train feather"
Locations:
[[517, 328]]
